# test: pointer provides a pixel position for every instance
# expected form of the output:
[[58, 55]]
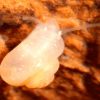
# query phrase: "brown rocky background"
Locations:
[[78, 77]]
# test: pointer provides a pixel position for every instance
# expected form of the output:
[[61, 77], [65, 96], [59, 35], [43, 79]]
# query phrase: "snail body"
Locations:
[[34, 61]]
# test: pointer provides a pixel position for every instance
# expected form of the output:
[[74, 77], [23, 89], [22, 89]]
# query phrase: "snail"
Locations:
[[34, 61]]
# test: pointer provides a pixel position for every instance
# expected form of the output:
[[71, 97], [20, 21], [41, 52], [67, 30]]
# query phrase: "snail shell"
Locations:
[[34, 61]]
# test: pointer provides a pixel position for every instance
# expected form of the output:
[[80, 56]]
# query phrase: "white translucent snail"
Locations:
[[34, 61]]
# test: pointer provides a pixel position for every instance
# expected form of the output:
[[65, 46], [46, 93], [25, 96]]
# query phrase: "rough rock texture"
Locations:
[[79, 75]]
